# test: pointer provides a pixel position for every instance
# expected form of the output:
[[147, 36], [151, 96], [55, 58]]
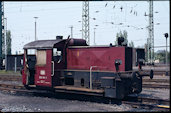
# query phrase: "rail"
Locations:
[[135, 102]]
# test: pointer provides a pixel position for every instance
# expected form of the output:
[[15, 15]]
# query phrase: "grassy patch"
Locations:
[[9, 72]]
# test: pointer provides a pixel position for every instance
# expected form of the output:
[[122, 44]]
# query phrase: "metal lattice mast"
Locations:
[[151, 31], [2, 31], [85, 22], [148, 50]]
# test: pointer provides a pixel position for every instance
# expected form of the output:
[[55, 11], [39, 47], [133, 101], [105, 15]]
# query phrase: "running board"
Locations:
[[79, 90]]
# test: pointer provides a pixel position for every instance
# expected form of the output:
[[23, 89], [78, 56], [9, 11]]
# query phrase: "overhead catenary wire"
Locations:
[[94, 8]]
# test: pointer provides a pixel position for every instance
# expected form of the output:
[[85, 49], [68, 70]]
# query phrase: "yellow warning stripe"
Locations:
[[163, 106]]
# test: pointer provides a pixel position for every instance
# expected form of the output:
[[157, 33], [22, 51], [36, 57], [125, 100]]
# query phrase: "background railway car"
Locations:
[[138, 54], [70, 65]]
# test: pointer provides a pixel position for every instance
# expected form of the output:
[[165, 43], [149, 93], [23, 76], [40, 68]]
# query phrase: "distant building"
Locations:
[[11, 62]]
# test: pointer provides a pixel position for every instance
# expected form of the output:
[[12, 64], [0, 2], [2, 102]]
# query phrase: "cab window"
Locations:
[[41, 57], [57, 55]]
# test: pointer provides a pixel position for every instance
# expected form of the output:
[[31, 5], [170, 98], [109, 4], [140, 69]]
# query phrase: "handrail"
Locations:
[[52, 68], [91, 67]]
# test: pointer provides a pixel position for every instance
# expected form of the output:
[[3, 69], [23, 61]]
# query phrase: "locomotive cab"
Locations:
[[44, 61], [39, 67]]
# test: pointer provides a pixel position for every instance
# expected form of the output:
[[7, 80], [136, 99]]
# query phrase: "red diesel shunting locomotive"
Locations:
[[70, 65]]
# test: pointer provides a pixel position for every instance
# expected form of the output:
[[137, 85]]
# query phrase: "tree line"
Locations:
[[159, 56]]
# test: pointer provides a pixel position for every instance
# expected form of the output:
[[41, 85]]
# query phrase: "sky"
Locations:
[[57, 17]]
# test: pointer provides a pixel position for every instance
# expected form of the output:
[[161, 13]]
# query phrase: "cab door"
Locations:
[[43, 74], [58, 64]]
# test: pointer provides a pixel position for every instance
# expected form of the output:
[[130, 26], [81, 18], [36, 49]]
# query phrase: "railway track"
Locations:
[[157, 80], [135, 102], [12, 86], [11, 77], [154, 107], [164, 86]]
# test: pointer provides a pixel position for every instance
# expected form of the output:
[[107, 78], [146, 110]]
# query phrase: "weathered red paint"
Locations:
[[102, 57], [44, 80]]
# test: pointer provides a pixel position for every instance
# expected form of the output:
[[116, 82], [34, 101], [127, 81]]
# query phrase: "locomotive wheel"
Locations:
[[136, 82]]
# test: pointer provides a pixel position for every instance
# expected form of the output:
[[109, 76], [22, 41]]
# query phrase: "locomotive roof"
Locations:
[[42, 44]]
